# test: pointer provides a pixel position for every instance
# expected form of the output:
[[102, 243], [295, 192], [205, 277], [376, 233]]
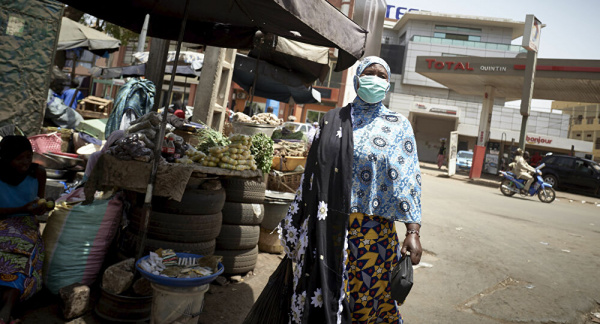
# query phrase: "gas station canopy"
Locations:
[[555, 79]]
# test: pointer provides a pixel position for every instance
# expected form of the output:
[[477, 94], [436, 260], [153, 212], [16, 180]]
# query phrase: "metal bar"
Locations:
[[157, 150]]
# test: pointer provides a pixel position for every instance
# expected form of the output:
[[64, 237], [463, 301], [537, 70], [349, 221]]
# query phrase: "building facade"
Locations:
[[436, 110], [584, 122]]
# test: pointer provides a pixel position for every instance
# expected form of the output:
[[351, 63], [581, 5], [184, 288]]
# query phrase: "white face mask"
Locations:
[[372, 89]]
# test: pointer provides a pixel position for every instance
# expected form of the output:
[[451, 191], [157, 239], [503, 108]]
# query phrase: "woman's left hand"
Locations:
[[412, 244]]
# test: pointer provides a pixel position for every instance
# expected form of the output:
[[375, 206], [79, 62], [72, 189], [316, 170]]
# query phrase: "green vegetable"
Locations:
[[209, 137], [262, 149]]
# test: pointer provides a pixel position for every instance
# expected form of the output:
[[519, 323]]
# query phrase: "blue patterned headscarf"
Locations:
[[364, 63]]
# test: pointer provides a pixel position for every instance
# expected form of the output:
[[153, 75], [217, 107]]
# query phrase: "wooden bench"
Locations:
[[94, 107]]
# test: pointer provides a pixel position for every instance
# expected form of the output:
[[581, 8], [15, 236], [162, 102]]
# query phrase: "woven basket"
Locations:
[[44, 143], [284, 182]]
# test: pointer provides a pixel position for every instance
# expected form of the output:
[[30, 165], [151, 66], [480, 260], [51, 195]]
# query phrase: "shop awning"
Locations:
[[233, 24], [75, 35], [555, 79], [272, 82]]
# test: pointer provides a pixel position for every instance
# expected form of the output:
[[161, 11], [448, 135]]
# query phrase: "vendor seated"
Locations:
[[22, 183]]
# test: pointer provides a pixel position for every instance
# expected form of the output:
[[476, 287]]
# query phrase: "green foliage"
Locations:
[[122, 34], [209, 137], [262, 149]]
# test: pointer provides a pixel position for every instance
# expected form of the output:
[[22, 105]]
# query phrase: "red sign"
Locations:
[[538, 140], [450, 65]]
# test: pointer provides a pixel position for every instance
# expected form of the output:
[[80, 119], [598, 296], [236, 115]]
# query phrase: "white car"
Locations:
[[294, 127]]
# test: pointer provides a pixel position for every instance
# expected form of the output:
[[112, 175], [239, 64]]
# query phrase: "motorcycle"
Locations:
[[511, 185]]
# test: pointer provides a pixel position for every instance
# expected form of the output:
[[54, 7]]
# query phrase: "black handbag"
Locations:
[[274, 303], [402, 279]]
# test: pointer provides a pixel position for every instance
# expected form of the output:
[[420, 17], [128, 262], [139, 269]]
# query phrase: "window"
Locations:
[[314, 116], [457, 37], [590, 120], [402, 39], [577, 120], [564, 162], [458, 29], [550, 160], [386, 40], [597, 143]]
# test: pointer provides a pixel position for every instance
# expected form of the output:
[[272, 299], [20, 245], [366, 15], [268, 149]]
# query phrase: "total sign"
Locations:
[[397, 9]]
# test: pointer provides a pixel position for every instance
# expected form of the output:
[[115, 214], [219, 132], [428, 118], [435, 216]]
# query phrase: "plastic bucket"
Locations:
[[177, 304]]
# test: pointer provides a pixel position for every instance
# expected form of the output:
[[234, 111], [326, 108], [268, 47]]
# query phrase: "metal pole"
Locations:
[[142, 37], [159, 140], [528, 83]]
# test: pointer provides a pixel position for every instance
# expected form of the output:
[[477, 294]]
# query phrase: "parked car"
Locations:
[[464, 160], [571, 172], [294, 127]]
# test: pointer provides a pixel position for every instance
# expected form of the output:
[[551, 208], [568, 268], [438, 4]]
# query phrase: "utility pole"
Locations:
[[531, 42]]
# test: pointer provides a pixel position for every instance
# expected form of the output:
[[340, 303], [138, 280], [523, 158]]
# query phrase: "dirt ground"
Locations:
[[228, 303]]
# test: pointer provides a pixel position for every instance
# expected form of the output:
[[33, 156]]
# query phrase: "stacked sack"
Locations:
[[242, 214]]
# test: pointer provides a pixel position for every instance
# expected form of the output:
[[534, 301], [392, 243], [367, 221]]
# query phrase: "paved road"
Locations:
[[496, 259]]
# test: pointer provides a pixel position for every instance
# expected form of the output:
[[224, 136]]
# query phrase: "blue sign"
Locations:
[[394, 12]]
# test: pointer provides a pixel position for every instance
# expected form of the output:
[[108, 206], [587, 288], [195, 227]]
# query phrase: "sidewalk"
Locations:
[[488, 180]]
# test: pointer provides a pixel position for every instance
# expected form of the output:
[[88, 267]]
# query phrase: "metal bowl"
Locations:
[[47, 161], [55, 174], [67, 162]]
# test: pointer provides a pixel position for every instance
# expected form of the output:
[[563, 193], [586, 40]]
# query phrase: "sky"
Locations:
[[572, 27]]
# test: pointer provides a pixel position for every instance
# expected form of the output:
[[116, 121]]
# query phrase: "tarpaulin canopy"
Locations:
[[75, 35], [140, 70], [233, 23], [308, 62], [194, 59], [272, 82]]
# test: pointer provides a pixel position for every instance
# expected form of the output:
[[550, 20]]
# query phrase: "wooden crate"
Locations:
[[94, 107], [286, 182]]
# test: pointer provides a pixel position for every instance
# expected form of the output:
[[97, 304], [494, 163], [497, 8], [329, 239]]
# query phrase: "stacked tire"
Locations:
[[242, 214], [189, 226]]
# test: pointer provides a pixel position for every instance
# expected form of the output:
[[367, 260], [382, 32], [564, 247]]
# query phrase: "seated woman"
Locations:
[[21, 246]]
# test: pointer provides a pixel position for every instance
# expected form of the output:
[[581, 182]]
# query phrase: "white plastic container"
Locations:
[[177, 304]]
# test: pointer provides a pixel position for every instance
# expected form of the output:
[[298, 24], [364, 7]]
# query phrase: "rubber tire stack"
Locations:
[[242, 214], [189, 226]]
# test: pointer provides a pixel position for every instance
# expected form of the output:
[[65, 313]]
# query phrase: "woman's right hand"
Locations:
[[35, 208]]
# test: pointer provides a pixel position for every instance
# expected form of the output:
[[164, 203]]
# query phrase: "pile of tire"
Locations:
[[242, 214], [191, 225]]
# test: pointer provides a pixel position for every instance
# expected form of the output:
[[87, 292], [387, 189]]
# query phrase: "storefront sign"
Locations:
[[531, 34], [394, 12], [449, 65], [493, 68], [537, 140]]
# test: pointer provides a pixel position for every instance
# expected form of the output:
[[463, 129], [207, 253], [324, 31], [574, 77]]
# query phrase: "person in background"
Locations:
[[22, 183], [312, 132], [362, 174], [177, 103], [441, 157], [535, 159], [72, 95]]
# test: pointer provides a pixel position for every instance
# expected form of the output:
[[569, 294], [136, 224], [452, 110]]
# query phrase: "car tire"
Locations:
[[238, 261], [245, 190], [243, 214], [551, 180], [193, 202], [176, 227], [238, 237]]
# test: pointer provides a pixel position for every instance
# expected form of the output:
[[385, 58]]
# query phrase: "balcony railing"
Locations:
[[464, 43]]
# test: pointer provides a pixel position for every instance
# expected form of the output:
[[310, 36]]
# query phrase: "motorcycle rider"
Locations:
[[521, 169]]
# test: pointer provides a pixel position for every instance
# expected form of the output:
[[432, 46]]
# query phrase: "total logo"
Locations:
[[450, 65]]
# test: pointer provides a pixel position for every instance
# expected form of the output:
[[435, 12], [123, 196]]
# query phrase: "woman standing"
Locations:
[[21, 246], [441, 157], [362, 174]]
